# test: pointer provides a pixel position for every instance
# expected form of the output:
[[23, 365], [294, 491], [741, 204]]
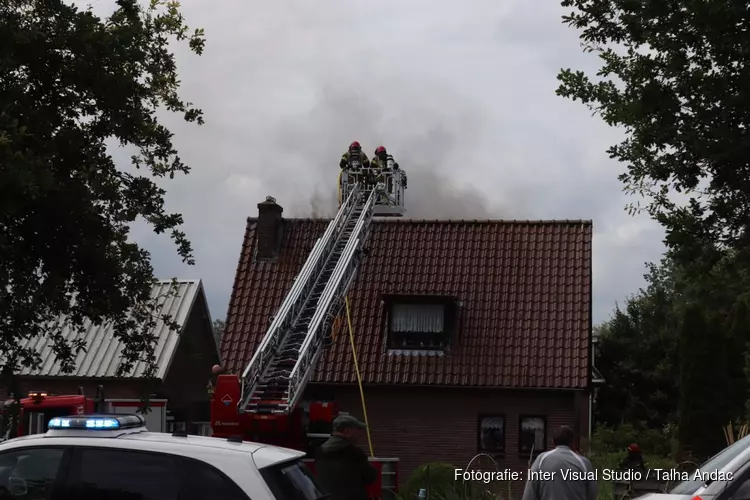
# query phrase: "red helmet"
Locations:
[[381, 149], [634, 448], [355, 145]]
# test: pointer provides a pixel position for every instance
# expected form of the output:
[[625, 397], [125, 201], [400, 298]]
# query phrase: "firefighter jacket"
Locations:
[[380, 164], [347, 157]]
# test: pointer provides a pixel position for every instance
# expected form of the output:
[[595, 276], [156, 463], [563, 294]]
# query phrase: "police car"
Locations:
[[108, 457]]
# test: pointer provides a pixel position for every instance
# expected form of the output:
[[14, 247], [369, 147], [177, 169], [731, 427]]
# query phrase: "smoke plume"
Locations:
[[435, 146]]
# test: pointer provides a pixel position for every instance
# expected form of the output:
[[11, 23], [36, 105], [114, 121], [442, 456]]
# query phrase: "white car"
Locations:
[[726, 476], [114, 457]]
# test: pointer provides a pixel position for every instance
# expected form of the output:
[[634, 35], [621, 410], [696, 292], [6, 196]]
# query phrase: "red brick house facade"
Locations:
[[503, 315]]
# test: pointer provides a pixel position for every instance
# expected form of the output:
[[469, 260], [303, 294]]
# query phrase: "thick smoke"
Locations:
[[463, 97], [433, 145], [285, 87]]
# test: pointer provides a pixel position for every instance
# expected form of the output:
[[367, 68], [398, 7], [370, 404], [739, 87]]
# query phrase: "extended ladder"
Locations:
[[277, 375]]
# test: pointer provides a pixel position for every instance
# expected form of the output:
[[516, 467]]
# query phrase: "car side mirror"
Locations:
[[17, 487]]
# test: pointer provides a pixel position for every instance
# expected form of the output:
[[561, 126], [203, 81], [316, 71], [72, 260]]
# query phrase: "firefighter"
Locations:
[[353, 155], [342, 467], [380, 165], [380, 159], [634, 458]]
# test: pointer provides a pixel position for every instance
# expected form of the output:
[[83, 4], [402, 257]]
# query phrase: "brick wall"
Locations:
[[422, 425]]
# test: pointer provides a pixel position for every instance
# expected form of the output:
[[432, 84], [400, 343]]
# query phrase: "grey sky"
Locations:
[[463, 97]]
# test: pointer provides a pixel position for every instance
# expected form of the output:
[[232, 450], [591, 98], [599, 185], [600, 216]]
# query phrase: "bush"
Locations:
[[651, 441]]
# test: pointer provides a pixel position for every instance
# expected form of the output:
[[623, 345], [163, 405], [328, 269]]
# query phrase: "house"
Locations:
[[471, 336], [184, 360]]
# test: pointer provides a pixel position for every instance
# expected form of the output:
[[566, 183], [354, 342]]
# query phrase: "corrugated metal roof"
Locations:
[[101, 356], [525, 289]]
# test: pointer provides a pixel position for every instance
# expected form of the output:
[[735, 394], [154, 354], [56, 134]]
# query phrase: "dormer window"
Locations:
[[421, 322]]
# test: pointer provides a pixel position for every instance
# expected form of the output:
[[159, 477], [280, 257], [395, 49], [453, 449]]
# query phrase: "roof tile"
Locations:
[[525, 289]]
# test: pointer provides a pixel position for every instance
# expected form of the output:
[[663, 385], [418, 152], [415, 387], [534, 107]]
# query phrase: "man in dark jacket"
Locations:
[[342, 467]]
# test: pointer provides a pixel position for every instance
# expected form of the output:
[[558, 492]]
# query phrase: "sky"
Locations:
[[463, 97]]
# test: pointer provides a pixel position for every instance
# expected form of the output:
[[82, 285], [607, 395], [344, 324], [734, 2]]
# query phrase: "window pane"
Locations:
[[126, 475], [532, 434], [292, 481], [492, 438], [29, 473], [418, 318], [208, 484]]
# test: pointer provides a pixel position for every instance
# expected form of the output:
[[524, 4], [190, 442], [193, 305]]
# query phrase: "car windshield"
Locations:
[[292, 481], [716, 463]]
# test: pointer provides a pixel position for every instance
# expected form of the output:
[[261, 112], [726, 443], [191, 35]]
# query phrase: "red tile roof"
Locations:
[[524, 288]]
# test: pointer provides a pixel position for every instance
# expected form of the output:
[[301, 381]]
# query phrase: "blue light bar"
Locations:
[[96, 422]]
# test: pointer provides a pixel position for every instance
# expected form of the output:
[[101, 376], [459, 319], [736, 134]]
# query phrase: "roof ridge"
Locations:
[[164, 281], [448, 221]]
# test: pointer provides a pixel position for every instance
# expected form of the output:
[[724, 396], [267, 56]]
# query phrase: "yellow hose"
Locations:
[[359, 376], [354, 349]]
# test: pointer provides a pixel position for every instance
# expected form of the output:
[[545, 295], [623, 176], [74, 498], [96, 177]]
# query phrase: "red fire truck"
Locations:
[[265, 403], [39, 407]]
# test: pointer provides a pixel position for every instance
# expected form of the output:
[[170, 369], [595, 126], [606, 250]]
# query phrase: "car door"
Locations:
[[738, 487], [33, 473], [209, 483], [122, 474]]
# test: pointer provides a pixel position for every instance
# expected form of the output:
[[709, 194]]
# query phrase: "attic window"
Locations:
[[422, 323]]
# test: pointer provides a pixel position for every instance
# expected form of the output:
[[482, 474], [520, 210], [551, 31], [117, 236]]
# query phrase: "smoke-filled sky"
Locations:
[[462, 94]]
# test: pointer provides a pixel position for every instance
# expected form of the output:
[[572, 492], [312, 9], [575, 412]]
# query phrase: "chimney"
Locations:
[[269, 228]]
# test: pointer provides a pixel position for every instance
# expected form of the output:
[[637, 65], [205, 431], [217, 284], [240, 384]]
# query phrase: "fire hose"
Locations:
[[354, 350]]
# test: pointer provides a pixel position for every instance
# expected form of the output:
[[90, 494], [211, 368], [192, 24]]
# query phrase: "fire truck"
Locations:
[[38, 408], [265, 404]]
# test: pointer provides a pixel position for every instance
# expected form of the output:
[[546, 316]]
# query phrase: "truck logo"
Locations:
[[227, 400]]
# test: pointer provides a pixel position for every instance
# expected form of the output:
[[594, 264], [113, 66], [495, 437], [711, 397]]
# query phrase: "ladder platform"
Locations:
[[390, 202], [388, 211]]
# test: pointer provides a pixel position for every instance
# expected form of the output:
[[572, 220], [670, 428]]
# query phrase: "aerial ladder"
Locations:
[[274, 380], [263, 404]]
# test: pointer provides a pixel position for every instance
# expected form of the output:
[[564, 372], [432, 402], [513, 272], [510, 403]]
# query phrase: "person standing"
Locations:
[[561, 459], [342, 468], [634, 458]]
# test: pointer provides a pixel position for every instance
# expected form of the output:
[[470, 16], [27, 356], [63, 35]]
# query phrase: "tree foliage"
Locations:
[[674, 75], [678, 344], [638, 359], [218, 330], [70, 84], [704, 407]]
